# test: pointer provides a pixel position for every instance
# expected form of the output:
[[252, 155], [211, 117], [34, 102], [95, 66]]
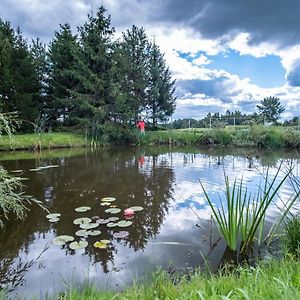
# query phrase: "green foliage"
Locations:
[[242, 217], [292, 236], [270, 108], [274, 279]]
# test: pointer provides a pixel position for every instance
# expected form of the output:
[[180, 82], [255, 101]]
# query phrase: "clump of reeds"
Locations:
[[241, 219]]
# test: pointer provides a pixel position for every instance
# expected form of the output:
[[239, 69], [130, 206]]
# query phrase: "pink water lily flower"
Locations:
[[128, 212]]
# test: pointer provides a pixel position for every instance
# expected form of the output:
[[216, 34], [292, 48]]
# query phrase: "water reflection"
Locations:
[[165, 182]]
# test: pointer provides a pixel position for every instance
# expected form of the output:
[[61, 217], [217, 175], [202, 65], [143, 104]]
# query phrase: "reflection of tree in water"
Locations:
[[84, 181]]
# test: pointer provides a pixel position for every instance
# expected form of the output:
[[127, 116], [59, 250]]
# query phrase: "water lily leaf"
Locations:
[[124, 223], [93, 232], [113, 206], [111, 224], [113, 210], [53, 220], [78, 245], [34, 170], [108, 199], [120, 234], [102, 221], [113, 219], [16, 171], [82, 208], [81, 232], [88, 225], [105, 241], [105, 204], [62, 240], [100, 245], [82, 221], [53, 215], [136, 208]]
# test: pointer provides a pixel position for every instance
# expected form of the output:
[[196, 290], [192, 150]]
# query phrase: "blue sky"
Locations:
[[223, 54]]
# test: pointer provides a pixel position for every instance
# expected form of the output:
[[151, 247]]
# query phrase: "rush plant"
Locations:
[[241, 215]]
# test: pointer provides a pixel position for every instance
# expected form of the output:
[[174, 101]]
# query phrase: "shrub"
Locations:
[[292, 236]]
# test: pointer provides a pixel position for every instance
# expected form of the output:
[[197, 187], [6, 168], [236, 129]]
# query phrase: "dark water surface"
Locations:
[[164, 181]]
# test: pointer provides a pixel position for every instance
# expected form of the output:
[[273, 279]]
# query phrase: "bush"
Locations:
[[292, 237]]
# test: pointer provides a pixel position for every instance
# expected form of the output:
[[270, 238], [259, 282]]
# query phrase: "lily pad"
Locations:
[[78, 245], [53, 215], [53, 220], [88, 225], [111, 224], [121, 234], [100, 245], [113, 210], [102, 221], [108, 199], [34, 170], [16, 171], [82, 208], [124, 223], [105, 204], [62, 240], [113, 219], [81, 232], [105, 241], [82, 221], [93, 232], [136, 208]]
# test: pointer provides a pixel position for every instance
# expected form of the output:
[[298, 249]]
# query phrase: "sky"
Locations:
[[224, 54]]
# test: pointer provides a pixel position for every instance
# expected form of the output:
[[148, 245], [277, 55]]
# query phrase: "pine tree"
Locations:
[[6, 79], [62, 61], [161, 87], [93, 93], [270, 108], [136, 51]]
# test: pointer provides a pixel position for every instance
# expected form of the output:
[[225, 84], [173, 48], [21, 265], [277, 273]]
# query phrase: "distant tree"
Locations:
[[161, 87], [270, 108]]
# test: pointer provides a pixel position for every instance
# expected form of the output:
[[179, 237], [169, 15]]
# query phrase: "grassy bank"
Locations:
[[41, 141], [273, 279], [248, 136]]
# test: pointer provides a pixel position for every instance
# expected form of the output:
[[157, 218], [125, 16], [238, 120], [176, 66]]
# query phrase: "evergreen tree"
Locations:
[[93, 93], [136, 51], [62, 52], [6, 79], [270, 108], [161, 87], [41, 66]]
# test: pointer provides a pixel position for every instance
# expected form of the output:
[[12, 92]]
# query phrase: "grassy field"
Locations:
[[273, 279], [41, 141], [243, 136]]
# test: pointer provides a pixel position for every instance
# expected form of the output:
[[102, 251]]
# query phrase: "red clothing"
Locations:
[[141, 125]]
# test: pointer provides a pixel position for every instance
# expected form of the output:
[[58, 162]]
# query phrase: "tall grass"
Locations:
[[269, 280], [241, 220], [12, 198]]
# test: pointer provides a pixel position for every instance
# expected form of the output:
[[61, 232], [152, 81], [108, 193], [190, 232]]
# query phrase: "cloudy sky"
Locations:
[[224, 54]]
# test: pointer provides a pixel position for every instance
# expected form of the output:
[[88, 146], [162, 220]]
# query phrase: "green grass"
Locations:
[[42, 141], [273, 279], [292, 236], [257, 135]]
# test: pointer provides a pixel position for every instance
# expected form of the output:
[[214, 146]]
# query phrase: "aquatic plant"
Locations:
[[241, 221]]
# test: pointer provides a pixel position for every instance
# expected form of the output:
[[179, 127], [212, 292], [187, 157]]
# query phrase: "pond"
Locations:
[[173, 231]]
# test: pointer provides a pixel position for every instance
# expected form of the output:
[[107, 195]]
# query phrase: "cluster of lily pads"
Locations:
[[88, 225]]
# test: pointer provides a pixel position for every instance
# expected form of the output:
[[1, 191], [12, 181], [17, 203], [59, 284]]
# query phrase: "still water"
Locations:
[[173, 231]]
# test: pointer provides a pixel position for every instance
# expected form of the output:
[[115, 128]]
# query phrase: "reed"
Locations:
[[241, 220]]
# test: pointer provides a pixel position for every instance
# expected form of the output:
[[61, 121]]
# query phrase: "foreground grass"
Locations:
[[41, 141], [273, 279], [258, 135]]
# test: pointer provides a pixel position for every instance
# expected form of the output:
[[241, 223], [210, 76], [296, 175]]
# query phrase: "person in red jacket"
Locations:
[[141, 126]]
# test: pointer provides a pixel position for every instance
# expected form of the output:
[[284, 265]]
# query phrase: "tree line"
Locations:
[[87, 80], [269, 111]]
